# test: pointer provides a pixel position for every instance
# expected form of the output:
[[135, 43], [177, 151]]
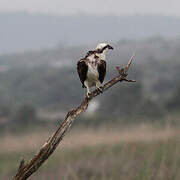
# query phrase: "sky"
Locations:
[[99, 7]]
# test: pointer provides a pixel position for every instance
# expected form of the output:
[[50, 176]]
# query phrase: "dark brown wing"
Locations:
[[102, 70], [82, 69]]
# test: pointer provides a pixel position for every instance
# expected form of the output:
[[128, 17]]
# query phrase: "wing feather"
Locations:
[[82, 69], [102, 70]]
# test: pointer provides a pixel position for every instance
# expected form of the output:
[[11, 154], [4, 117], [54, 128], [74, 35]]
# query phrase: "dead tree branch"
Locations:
[[27, 169]]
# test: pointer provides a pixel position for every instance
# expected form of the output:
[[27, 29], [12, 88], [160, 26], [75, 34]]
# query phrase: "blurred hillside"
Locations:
[[23, 31], [122, 127], [42, 85]]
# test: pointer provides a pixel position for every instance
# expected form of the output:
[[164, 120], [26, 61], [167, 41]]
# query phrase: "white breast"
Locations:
[[92, 73]]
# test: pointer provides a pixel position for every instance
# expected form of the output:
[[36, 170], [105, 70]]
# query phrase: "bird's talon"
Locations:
[[88, 95], [100, 89]]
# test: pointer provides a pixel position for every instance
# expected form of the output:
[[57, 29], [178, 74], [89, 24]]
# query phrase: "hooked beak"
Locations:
[[110, 47]]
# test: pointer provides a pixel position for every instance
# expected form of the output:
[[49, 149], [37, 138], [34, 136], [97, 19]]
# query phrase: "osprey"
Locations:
[[92, 68]]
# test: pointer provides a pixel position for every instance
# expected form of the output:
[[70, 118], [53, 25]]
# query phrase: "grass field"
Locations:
[[136, 153]]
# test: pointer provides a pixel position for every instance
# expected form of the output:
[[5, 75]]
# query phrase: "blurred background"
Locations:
[[131, 131]]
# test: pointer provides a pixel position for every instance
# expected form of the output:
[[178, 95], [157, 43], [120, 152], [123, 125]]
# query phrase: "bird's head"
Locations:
[[103, 48]]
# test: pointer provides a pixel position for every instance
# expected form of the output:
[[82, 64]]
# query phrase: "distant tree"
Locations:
[[25, 114], [149, 109], [174, 103], [122, 101], [5, 111]]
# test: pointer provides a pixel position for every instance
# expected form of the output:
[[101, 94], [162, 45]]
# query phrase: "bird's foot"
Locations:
[[88, 95]]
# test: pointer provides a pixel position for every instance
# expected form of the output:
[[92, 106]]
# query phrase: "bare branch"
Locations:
[[123, 71], [21, 164], [126, 68], [26, 170]]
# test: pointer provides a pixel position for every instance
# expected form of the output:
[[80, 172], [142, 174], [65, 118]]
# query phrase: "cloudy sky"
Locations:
[[100, 7]]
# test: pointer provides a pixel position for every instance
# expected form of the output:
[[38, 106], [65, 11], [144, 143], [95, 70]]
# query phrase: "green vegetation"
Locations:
[[37, 89], [47, 81], [131, 161]]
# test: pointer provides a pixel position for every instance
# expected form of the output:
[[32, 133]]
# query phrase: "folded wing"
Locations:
[[82, 69], [102, 70]]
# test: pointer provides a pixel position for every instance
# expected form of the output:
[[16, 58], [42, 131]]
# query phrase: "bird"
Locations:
[[92, 68]]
